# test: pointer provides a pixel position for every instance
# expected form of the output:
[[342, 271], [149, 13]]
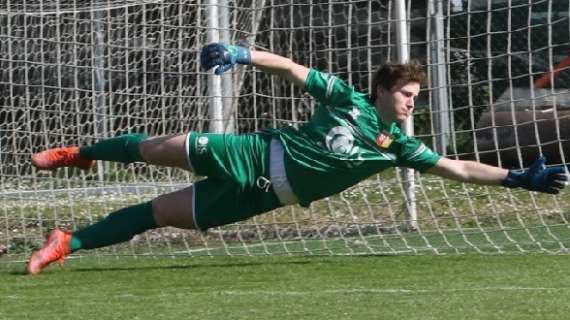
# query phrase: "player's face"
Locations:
[[398, 103]]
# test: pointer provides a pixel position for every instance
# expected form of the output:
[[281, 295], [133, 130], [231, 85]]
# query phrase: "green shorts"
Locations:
[[237, 185]]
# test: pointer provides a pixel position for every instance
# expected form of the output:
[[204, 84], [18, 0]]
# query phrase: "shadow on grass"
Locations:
[[143, 265], [261, 261]]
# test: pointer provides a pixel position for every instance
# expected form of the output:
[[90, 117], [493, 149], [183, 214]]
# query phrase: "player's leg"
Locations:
[[235, 195], [165, 150], [173, 209], [122, 148]]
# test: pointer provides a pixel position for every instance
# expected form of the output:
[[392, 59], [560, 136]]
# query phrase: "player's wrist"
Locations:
[[241, 54], [514, 179]]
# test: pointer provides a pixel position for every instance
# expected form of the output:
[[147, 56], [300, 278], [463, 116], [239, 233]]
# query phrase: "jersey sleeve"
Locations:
[[329, 89], [415, 154]]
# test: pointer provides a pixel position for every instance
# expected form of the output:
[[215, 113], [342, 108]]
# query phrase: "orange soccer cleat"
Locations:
[[61, 157], [56, 247]]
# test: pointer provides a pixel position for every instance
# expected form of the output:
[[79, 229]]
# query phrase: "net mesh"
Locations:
[[74, 72]]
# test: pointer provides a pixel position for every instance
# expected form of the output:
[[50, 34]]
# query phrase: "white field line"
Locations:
[[394, 291], [384, 291]]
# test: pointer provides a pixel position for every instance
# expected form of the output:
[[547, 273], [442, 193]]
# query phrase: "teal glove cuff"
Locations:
[[241, 54]]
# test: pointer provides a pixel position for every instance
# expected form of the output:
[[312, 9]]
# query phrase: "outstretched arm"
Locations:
[[469, 171], [224, 57], [536, 178], [281, 66]]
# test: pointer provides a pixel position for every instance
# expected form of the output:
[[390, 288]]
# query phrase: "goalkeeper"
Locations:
[[350, 137]]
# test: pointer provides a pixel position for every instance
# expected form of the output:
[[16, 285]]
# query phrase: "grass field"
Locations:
[[501, 283], [299, 287]]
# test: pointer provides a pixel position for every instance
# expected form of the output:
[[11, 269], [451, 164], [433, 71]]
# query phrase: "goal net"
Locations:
[[76, 71]]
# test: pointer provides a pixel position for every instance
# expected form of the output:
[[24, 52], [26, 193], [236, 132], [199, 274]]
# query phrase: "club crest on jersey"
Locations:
[[384, 140]]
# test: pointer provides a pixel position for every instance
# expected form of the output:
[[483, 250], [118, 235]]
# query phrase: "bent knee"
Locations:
[[174, 209]]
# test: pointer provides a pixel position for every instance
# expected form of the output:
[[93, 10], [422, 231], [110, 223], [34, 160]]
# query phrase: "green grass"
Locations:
[[111, 284], [300, 287]]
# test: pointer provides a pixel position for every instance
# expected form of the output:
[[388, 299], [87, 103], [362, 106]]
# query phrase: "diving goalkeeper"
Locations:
[[350, 137]]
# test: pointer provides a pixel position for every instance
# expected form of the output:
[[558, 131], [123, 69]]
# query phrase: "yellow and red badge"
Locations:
[[384, 139]]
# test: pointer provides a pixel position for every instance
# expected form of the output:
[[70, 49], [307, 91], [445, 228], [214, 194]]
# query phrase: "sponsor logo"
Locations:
[[384, 140], [340, 140], [202, 145]]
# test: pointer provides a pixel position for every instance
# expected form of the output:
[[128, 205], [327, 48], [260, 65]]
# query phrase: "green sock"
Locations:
[[119, 226], [123, 148]]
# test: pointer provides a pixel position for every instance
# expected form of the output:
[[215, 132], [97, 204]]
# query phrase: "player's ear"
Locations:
[[378, 91]]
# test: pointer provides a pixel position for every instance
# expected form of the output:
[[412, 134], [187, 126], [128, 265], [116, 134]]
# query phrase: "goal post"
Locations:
[[73, 72]]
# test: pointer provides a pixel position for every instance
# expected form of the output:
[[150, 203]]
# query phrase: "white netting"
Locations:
[[73, 72]]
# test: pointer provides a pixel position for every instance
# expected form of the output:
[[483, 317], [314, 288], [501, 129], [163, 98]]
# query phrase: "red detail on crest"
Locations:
[[384, 140], [380, 138]]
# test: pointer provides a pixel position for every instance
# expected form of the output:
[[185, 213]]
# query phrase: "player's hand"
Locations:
[[224, 56], [538, 178]]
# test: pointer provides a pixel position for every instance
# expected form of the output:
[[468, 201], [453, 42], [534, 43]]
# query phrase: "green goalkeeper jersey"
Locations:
[[344, 142]]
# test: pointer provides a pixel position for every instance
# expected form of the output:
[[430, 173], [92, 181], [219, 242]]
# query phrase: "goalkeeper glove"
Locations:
[[224, 56], [538, 178]]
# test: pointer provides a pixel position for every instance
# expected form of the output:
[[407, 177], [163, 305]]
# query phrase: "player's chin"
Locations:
[[402, 117]]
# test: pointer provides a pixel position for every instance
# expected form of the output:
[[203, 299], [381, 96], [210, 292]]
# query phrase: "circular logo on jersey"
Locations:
[[203, 140], [202, 145], [340, 140]]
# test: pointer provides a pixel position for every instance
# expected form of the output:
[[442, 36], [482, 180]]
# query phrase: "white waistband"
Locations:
[[278, 176]]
